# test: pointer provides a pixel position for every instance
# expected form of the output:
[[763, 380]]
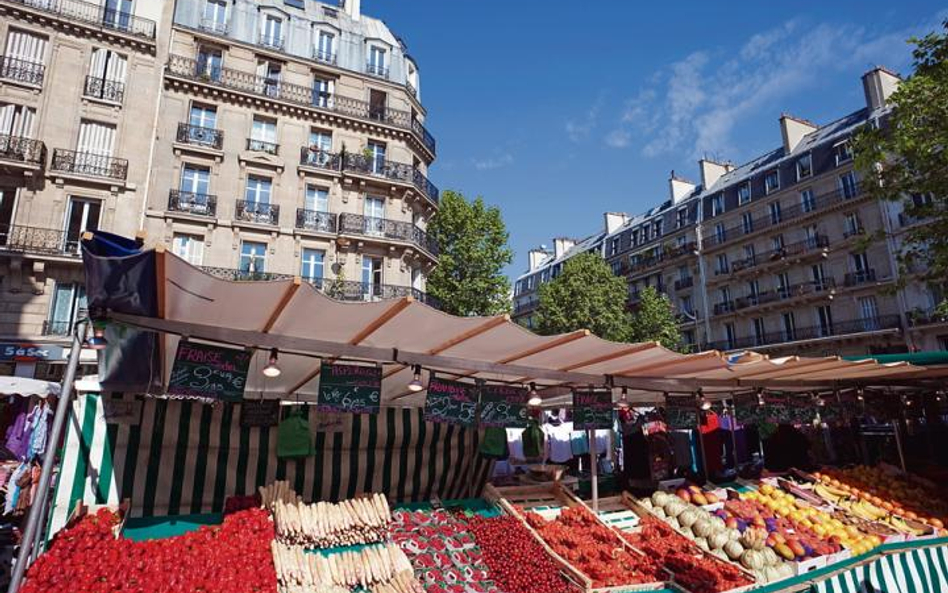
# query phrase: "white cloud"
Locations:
[[580, 130], [495, 161], [694, 105]]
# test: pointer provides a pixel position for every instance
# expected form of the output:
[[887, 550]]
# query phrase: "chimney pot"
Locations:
[[878, 85], [793, 130]]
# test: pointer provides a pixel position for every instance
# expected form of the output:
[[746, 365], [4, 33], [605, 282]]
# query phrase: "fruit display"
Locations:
[[595, 550], [883, 494], [326, 525], [371, 567], [442, 551], [696, 495], [728, 542], [517, 561], [233, 557], [807, 530], [693, 569]]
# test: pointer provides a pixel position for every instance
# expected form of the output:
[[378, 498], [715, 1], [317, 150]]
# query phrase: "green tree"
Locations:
[[472, 237], [654, 320], [906, 159]]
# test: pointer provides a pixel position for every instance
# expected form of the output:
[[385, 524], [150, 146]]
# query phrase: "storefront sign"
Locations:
[[126, 412], [592, 410], [356, 389], [681, 411], [207, 371], [503, 406], [31, 352], [451, 402], [259, 413]]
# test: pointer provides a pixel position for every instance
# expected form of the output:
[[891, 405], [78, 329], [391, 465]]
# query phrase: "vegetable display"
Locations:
[[327, 525], [369, 567], [233, 557], [517, 562], [594, 549]]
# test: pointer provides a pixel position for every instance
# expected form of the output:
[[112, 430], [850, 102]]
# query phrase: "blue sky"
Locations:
[[557, 112]]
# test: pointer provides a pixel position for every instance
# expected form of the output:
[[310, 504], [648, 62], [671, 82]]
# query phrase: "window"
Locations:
[[210, 61], [807, 201], [645, 234], [844, 153], [789, 326], [271, 31], [614, 246], [753, 291], [317, 199], [322, 92], [325, 47], [68, 305], [117, 14], [196, 181], [657, 228], [717, 205], [16, 121], [848, 185], [725, 294], [311, 266], [7, 202], [263, 135], [819, 276], [81, 216], [268, 77], [681, 241], [783, 285], [747, 223], [214, 18], [376, 64], [203, 116], [759, 331], [616, 267], [776, 243], [772, 181], [24, 57], [824, 320], [374, 212], [851, 225], [258, 190], [744, 193], [371, 276], [804, 166], [95, 139], [859, 262], [721, 267], [296, 4], [682, 217], [106, 78], [635, 237], [775, 214], [253, 257], [810, 234], [869, 313], [729, 335], [750, 252], [687, 305], [189, 248], [376, 155], [683, 273], [720, 236]]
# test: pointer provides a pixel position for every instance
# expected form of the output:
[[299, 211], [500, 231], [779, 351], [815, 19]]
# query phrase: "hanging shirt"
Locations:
[[18, 433], [39, 427]]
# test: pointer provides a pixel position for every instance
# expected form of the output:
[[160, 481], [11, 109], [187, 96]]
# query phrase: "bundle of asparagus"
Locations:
[[370, 566], [327, 525], [279, 491], [403, 582]]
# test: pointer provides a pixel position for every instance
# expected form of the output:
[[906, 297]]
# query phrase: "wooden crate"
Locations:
[[547, 500], [81, 510]]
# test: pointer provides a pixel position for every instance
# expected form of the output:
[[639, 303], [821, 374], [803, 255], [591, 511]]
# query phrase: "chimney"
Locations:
[[793, 129], [561, 245], [711, 171], [537, 256], [879, 84], [352, 8], [614, 220], [679, 188]]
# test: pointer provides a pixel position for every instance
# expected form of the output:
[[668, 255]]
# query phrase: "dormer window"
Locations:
[[804, 167], [717, 205], [378, 61], [271, 31], [772, 181], [844, 153], [412, 79], [214, 18], [325, 50], [744, 193]]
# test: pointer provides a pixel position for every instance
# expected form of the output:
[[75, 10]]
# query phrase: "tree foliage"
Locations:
[[587, 295], [472, 237], [906, 158]]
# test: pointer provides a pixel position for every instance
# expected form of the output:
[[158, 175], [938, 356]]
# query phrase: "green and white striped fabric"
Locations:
[[921, 570], [186, 458]]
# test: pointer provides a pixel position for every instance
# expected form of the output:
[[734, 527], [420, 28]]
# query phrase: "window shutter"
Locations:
[[26, 46]]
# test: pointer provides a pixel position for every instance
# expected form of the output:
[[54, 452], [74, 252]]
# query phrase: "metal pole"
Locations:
[[593, 469], [37, 509], [732, 420], [898, 444]]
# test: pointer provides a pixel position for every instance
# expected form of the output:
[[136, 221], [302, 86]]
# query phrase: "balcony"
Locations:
[[411, 89], [525, 306], [104, 89], [813, 245], [790, 213], [324, 57], [22, 71], [247, 82], [840, 329], [314, 220], [906, 219], [192, 203], [379, 70], [37, 241], [271, 42], [853, 232], [921, 317], [89, 164], [671, 254], [867, 276], [683, 283], [200, 136], [723, 307], [95, 14], [367, 226], [214, 26], [263, 146], [257, 212], [370, 166], [24, 151]]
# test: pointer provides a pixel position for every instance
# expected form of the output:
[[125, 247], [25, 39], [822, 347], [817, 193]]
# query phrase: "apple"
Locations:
[[684, 494]]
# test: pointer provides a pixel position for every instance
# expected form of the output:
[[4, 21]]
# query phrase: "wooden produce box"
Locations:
[[81, 510]]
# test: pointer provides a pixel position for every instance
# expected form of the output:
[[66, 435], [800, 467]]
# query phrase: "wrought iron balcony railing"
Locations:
[[683, 283], [22, 150], [39, 241], [214, 26], [320, 159], [379, 70], [723, 307], [87, 163], [23, 71], [306, 96], [411, 89], [192, 203], [95, 14], [920, 317], [643, 263], [259, 212], [369, 166], [105, 89], [367, 226], [858, 277], [815, 332], [314, 220], [200, 136], [325, 57], [813, 244], [263, 146], [271, 41]]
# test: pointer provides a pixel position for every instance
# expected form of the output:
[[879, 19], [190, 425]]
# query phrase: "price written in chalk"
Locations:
[[592, 410], [451, 402], [205, 371], [352, 388], [503, 406]]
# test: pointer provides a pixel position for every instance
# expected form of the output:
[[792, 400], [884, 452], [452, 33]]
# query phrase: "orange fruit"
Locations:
[[911, 515], [936, 523]]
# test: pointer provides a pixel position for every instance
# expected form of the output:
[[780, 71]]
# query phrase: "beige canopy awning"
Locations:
[[307, 326]]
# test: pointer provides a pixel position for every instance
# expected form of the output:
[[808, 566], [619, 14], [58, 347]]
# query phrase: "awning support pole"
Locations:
[[37, 509], [593, 469], [898, 444]]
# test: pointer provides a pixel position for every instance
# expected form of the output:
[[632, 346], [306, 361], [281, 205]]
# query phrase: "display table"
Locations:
[[147, 528]]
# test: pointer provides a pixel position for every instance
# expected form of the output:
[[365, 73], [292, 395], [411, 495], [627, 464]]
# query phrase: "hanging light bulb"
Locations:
[[859, 394], [97, 341], [760, 396], [624, 399], [415, 384], [272, 370], [705, 403], [534, 400]]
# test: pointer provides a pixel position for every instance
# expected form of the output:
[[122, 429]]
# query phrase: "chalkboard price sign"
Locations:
[[451, 402], [352, 388], [592, 410], [503, 406], [681, 411], [259, 413], [205, 371]]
